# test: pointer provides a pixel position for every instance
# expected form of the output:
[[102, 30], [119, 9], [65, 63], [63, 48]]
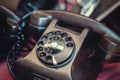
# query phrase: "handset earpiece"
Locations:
[[109, 49]]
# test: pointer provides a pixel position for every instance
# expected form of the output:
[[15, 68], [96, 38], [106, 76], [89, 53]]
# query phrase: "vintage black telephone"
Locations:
[[65, 48]]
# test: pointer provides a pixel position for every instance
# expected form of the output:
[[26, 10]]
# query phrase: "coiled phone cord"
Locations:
[[17, 48]]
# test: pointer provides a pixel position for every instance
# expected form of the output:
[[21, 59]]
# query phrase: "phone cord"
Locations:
[[16, 48]]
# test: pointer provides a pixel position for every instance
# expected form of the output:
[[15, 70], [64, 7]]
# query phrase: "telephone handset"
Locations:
[[61, 49]]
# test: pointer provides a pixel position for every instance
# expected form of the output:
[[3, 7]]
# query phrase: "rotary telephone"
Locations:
[[70, 48]]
